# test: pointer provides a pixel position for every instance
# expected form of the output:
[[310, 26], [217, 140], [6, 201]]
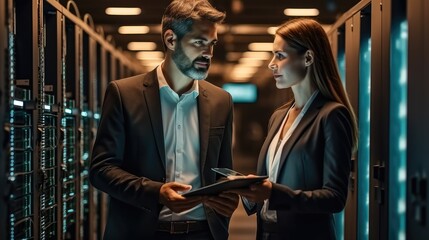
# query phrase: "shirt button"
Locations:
[[179, 126]]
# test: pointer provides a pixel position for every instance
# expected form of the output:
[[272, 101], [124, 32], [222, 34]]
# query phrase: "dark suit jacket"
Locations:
[[128, 159], [313, 172]]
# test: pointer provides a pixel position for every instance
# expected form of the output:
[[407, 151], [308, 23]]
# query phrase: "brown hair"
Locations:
[[307, 34], [181, 14]]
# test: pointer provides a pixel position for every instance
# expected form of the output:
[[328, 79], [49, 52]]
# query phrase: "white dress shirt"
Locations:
[[182, 143]]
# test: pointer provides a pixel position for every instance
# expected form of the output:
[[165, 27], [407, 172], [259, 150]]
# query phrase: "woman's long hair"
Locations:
[[307, 34]]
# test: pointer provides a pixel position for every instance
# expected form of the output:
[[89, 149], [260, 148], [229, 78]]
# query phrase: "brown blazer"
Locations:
[[313, 172], [128, 159]]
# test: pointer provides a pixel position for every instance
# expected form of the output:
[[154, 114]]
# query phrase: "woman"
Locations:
[[310, 140]]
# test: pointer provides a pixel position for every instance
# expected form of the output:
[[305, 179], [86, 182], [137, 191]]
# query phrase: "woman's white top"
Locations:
[[275, 151]]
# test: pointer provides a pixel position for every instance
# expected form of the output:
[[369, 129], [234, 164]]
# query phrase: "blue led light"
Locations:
[[242, 92], [364, 139], [398, 130]]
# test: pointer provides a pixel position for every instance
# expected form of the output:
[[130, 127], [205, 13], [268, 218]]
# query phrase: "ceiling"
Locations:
[[246, 22]]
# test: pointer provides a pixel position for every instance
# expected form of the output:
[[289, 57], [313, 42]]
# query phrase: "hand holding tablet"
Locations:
[[235, 180]]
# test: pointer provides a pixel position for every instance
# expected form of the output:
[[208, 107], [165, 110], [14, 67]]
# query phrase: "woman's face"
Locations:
[[287, 65]]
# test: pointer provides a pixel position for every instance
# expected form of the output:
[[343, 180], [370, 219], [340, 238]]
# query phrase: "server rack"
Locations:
[[361, 226], [88, 126], [3, 98], [101, 85], [70, 125], [338, 41], [379, 139], [417, 225], [351, 50], [49, 110], [47, 127], [22, 120], [397, 177], [376, 87], [52, 89]]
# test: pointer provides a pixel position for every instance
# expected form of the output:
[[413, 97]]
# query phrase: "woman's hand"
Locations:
[[257, 192]]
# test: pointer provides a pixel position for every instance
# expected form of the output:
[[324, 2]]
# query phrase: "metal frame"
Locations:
[[3, 102], [379, 152], [418, 118], [352, 31], [53, 85], [364, 33]]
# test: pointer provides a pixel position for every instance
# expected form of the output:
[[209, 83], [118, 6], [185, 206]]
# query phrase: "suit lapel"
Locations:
[[204, 122], [308, 118], [261, 169], [153, 103]]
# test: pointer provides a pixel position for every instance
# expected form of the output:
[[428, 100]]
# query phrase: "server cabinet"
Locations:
[[49, 112], [341, 52], [22, 121], [361, 225], [352, 45], [89, 125], [70, 124], [379, 139], [397, 176], [375, 54], [102, 70], [49, 125], [338, 46], [350, 38], [3, 108], [53, 105], [417, 188]]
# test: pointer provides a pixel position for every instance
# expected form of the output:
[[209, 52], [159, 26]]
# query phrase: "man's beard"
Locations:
[[187, 67]]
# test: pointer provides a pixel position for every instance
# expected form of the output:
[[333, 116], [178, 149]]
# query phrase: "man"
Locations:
[[162, 132]]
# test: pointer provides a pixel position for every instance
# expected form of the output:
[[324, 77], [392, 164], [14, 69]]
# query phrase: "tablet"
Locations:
[[218, 187]]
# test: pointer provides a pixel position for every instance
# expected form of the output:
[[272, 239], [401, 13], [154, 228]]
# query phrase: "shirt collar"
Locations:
[[194, 90]]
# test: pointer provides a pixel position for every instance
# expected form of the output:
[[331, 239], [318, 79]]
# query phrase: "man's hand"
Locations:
[[169, 197], [224, 203]]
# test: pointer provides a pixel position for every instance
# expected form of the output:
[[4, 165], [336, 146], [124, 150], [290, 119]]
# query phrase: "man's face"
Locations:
[[194, 51]]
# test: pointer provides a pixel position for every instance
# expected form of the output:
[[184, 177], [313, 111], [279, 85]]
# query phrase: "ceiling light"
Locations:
[[257, 55], [251, 62], [261, 46], [248, 29], [138, 46], [301, 12], [133, 29], [272, 30], [243, 71], [150, 55], [150, 63], [123, 11]]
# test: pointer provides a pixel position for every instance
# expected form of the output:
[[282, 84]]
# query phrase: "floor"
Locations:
[[242, 226]]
